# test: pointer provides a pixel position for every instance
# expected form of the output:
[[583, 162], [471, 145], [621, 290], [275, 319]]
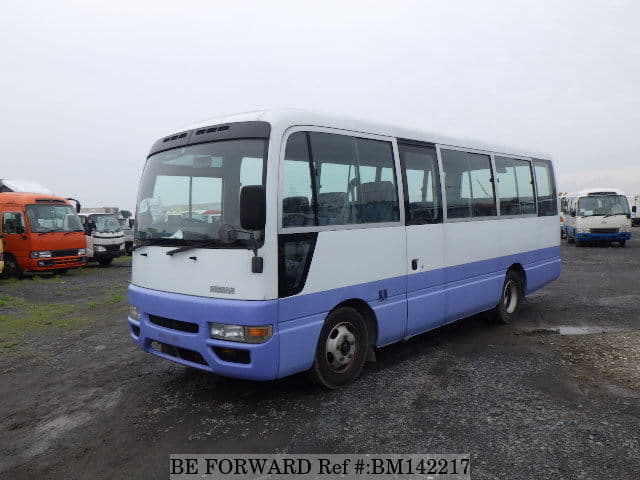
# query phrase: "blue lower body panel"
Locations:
[[263, 357], [603, 237], [403, 307]]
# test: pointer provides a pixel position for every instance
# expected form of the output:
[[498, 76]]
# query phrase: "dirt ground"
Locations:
[[556, 395]]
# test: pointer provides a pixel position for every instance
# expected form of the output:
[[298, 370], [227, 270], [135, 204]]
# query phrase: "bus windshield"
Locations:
[[603, 205], [53, 218], [105, 223], [187, 194]]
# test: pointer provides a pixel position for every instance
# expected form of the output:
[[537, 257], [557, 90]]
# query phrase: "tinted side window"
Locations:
[[422, 184], [546, 184], [355, 180], [515, 185], [295, 254], [468, 184], [11, 221]]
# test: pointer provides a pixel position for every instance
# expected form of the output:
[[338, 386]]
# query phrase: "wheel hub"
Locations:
[[340, 347]]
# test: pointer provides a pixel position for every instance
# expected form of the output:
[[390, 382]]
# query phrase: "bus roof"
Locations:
[[595, 191], [25, 198], [280, 120]]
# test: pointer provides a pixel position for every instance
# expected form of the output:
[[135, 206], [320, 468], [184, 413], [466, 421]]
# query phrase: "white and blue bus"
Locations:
[[331, 237]]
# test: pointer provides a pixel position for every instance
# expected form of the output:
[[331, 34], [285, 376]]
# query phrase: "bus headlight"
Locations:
[[122, 246], [43, 254], [240, 333], [134, 313]]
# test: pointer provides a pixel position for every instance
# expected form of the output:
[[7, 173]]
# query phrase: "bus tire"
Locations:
[[105, 262], [511, 298], [11, 267], [341, 350]]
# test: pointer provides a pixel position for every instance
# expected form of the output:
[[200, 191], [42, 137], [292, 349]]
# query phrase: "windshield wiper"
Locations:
[[143, 244], [191, 247]]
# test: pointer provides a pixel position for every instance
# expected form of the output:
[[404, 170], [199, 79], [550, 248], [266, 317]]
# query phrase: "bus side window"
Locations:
[[297, 195], [515, 186], [421, 184], [347, 190], [469, 184], [546, 188]]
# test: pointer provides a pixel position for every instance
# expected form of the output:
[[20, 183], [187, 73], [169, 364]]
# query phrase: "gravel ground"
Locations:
[[79, 400]]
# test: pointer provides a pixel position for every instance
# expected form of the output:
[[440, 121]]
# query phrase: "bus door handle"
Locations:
[[414, 264]]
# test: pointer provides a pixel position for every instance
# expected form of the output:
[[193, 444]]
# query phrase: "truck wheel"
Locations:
[[622, 243], [105, 262], [11, 267], [510, 299], [341, 350]]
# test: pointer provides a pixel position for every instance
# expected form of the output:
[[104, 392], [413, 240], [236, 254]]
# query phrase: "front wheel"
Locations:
[[511, 298], [105, 262], [11, 267], [341, 350]]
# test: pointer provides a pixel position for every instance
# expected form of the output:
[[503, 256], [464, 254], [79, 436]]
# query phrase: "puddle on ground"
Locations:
[[568, 330]]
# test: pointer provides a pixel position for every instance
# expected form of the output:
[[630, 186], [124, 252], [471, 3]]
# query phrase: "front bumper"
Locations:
[[56, 263], [180, 346], [603, 237], [108, 254]]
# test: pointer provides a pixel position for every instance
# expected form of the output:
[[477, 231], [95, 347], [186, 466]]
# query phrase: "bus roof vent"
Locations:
[[174, 137]]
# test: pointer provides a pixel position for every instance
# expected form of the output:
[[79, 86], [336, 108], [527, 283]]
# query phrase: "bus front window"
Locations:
[[53, 218], [603, 205], [187, 194]]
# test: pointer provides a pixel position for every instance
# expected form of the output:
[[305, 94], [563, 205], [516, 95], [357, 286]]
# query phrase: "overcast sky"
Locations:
[[87, 87]]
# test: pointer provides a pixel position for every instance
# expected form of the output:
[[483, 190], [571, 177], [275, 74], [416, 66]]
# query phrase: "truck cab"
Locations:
[[104, 236], [40, 233]]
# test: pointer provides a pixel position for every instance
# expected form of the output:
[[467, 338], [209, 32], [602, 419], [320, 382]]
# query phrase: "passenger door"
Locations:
[[15, 239], [425, 236]]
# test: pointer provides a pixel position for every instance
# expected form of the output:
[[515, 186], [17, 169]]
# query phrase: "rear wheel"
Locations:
[[341, 349], [105, 262], [11, 267], [510, 299]]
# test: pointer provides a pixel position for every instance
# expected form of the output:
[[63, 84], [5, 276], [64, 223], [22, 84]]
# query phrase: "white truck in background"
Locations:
[[105, 237], [127, 229], [634, 205]]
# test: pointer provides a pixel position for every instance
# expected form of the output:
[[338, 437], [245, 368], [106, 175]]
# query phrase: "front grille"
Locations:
[[181, 353], [604, 230], [65, 253], [174, 324]]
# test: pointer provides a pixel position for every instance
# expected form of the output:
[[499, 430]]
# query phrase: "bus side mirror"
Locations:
[[252, 207]]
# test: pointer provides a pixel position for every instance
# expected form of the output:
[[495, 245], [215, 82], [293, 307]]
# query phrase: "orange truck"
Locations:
[[40, 232]]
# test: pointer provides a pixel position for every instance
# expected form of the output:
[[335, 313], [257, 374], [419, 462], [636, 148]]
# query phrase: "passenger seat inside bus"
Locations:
[[296, 212], [378, 202], [331, 208]]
